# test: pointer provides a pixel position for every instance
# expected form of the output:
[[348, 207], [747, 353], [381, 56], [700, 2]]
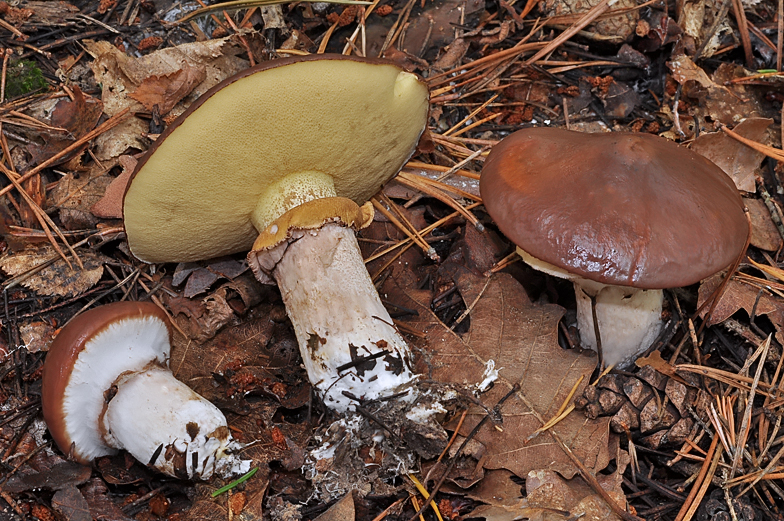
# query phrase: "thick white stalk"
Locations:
[[162, 422], [629, 319], [339, 319]]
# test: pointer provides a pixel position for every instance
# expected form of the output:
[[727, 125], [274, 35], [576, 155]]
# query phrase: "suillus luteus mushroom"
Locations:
[[621, 215], [280, 161], [107, 386]]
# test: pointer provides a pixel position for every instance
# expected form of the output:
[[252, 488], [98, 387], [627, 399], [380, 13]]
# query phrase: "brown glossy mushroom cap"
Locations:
[[624, 209], [66, 365], [356, 120]]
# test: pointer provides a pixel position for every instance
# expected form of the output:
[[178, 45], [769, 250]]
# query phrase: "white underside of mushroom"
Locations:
[[338, 318], [141, 419], [629, 319], [163, 423]]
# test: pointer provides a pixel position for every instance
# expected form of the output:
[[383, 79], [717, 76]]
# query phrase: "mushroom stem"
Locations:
[[163, 423], [346, 336], [629, 319], [289, 192]]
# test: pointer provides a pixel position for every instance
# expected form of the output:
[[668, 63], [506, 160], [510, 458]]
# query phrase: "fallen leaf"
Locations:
[[110, 205], [120, 74], [101, 506], [739, 296], [521, 339], [78, 117], [503, 497], [716, 98], [764, 234], [36, 335], [738, 161], [70, 503], [167, 90], [61, 475], [343, 510], [75, 195], [56, 279]]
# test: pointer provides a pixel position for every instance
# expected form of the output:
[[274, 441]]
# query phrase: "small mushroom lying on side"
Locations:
[[621, 215], [107, 386], [278, 160]]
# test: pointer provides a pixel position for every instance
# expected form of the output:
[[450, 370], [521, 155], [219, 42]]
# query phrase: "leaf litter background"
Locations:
[[235, 345]]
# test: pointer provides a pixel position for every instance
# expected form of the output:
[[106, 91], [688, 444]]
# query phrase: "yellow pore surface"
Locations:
[[355, 121]]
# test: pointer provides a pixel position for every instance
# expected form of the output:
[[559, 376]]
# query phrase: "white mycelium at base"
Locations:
[[337, 316], [153, 409]]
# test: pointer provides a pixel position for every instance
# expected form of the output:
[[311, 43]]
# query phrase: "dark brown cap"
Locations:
[[624, 209]]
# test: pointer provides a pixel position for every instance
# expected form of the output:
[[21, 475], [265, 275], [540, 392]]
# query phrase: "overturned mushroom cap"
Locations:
[[84, 361], [209, 184], [616, 208]]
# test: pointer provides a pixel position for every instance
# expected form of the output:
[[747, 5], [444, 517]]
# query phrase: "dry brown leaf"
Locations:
[[120, 75], [764, 234], [715, 98], [167, 90], [101, 506], [110, 205], [520, 338], [343, 510], [75, 196], [57, 279], [70, 503], [51, 13], [739, 296], [738, 161], [547, 490], [36, 335], [503, 497], [78, 117]]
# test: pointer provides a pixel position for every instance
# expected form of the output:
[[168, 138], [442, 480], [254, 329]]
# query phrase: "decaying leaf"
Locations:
[[716, 98], [77, 117], [60, 475], [343, 510], [739, 296], [120, 75], [698, 17], [75, 195], [520, 338], [738, 161], [57, 278], [110, 205], [764, 234], [70, 503], [167, 90], [36, 335]]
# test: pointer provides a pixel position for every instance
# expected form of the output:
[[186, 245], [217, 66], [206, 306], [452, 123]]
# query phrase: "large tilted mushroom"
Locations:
[[621, 215], [283, 155], [107, 386]]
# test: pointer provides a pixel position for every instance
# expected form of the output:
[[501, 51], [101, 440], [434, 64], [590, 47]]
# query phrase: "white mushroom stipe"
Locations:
[[338, 318], [171, 427], [629, 318]]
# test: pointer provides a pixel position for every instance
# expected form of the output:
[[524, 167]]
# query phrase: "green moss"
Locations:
[[23, 76]]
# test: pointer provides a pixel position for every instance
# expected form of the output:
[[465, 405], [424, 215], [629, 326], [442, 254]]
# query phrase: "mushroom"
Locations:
[[278, 159], [621, 215], [107, 386]]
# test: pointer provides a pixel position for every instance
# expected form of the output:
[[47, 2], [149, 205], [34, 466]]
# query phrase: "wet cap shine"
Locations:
[[617, 208]]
